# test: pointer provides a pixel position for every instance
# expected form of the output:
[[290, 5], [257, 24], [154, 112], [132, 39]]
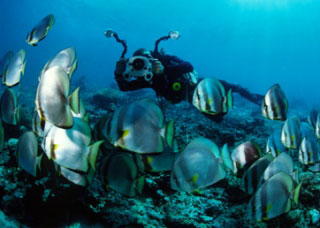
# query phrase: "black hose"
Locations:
[[123, 42], [158, 41]]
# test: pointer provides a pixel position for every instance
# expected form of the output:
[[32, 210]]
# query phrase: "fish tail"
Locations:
[[140, 184], [73, 68], [90, 176], [74, 101], [38, 161], [226, 158], [295, 176], [18, 114], [175, 146], [92, 153], [86, 118], [296, 193], [169, 133], [23, 67], [52, 21]]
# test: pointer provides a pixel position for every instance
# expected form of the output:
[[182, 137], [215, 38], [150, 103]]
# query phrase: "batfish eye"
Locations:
[[176, 86]]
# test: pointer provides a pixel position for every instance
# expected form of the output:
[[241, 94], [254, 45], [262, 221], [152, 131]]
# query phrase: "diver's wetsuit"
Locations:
[[165, 84], [173, 85]]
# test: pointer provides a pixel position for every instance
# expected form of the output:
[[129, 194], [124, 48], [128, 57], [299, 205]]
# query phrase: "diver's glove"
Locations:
[[120, 66], [157, 67]]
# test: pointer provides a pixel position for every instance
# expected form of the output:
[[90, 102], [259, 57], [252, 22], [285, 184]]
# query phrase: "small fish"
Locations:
[[10, 112], [67, 59], [15, 69], [275, 104], [210, 97], [27, 153], [274, 144], [52, 98], [4, 62], [119, 172], [291, 134], [250, 181], [313, 116], [71, 148], [282, 163], [273, 198], [309, 151], [40, 31], [196, 167], [139, 127], [245, 154]]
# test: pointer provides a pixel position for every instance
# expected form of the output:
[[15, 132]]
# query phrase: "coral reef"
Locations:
[[50, 200]]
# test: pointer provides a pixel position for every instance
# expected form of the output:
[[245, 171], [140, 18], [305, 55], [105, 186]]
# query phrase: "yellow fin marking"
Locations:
[[268, 207], [194, 178], [53, 148], [23, 68], [197, 192], [278, 151], [149, 160], [210, 100], [125, 133]]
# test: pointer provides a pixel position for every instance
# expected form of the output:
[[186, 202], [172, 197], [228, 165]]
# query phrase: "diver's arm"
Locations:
[[177, 65], [253, 97]]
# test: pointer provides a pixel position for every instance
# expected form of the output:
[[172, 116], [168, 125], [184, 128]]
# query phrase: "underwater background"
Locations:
[[254, 43]]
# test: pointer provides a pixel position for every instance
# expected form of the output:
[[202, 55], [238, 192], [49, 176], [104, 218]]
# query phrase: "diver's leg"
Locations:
[[253, 97]]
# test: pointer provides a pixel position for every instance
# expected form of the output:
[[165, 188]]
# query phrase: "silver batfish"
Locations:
[[40, 31]]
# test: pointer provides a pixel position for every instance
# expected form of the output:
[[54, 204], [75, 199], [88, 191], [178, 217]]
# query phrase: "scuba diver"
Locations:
[[169, 76]]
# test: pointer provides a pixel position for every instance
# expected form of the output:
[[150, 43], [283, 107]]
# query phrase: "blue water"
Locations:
[[252, 42]]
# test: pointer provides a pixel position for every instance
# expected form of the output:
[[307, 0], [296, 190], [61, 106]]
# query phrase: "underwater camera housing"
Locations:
[[138, 67]]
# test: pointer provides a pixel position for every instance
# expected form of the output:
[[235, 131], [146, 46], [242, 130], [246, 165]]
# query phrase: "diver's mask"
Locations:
[[138, 67]]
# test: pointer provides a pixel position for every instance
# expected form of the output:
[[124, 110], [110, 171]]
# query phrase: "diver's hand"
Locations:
[[157, 67], [120, 66]]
